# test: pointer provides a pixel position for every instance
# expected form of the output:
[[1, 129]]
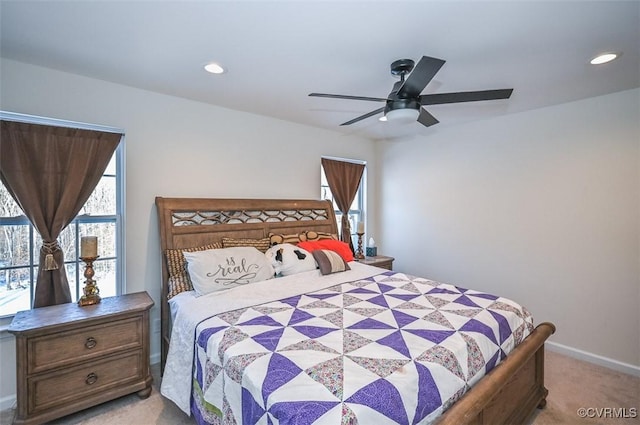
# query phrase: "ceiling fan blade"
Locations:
[[342, 96], [468, 96], [426, 119], [422, 73], [361, 117]]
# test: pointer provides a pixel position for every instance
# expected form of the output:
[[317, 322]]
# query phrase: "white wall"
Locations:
[[175, 147], [542, 207]]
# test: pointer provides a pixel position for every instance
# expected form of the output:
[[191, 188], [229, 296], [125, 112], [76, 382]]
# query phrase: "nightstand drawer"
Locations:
[[71, 347], [57, 388]]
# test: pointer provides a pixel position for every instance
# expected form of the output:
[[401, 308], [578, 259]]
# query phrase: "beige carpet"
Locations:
[[575, 384], [572, 384]]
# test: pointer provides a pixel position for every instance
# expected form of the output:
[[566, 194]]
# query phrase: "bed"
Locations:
[[503, 386]]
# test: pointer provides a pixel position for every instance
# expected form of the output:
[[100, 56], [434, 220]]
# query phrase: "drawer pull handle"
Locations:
[[90, 343], [91, 379]]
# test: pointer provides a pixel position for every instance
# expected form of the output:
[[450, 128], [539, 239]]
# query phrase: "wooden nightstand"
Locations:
[[379, 261], [70, 358]]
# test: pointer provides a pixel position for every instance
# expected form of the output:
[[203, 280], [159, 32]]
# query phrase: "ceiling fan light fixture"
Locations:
[[404, 115], [604, 58]]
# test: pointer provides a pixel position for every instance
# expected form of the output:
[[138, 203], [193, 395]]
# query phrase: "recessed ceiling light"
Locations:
[[214, 68], [604, 58], [382, 118]]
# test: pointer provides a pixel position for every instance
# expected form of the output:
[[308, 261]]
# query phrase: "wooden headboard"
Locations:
[[193, 222]]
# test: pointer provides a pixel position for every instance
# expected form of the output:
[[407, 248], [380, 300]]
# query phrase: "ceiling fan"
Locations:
[[405, 103]]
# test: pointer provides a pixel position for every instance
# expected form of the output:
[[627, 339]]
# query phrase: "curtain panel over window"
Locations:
[[343, 179], [51, 172]]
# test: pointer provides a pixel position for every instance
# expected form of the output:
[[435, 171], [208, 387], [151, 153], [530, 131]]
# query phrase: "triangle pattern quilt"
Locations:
[[390, 349]]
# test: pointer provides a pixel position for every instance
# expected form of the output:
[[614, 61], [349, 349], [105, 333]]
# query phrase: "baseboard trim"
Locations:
[[619, 366]]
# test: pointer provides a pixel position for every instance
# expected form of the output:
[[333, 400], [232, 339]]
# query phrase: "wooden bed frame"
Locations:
[[509, 394]]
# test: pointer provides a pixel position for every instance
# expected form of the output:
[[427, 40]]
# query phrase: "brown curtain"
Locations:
[[344, 179], [51, 172]]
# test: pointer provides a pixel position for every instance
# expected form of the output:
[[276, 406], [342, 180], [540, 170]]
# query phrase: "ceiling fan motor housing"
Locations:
[[397, 103]]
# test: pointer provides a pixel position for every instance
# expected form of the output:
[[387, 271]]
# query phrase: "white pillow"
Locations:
[[218, 269], [288, 259]]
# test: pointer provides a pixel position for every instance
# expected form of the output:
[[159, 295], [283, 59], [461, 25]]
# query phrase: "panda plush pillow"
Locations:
[[288, 259]]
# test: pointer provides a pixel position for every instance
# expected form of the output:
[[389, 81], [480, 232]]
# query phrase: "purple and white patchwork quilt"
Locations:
[[386, 349]]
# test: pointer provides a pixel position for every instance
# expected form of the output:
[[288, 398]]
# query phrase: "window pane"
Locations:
[[14, 246], [66, 240], [106, 233], [8, 207], [73, 282], [355, 205], [325, 193], [14, 283], [103, 199], [14, 291], [111, 167], [105, 277]]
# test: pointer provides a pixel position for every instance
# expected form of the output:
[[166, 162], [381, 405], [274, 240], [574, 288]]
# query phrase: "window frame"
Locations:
[[118, 219]]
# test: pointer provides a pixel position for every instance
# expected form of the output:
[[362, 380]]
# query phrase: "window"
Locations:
[[357, 209], [100, 216]]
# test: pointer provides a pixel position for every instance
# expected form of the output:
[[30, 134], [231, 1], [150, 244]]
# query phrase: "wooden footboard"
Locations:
[[511, 391]]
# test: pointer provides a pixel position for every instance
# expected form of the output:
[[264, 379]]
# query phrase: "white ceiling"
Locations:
[[277, 52]]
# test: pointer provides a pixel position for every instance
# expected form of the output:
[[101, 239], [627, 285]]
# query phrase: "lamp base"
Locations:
[[89, 300], [91, 292], [359, 254]]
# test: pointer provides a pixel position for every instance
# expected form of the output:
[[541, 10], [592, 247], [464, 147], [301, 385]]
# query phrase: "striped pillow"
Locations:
[[179, 280], [279, 238], [294, 238], [260, 244], [312, 235], [329, 261]]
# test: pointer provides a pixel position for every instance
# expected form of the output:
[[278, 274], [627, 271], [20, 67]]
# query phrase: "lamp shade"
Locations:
[[405, 115]]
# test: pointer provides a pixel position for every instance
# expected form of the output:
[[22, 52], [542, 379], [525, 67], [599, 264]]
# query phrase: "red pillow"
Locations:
[[341, 248]]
